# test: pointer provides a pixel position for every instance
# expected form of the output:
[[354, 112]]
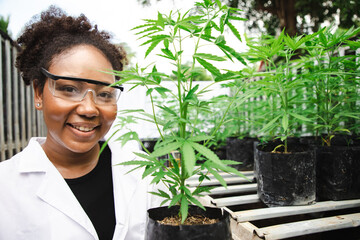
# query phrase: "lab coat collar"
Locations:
[[33, 157], [53, 189]]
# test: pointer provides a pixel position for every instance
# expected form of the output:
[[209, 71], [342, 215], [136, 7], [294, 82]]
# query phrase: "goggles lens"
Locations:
[[75, 89]]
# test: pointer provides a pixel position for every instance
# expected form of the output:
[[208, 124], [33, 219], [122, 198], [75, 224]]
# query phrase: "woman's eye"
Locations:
[[68, 89], [106, 95]]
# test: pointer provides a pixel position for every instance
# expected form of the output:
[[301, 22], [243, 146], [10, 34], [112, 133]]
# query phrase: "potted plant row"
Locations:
[[334, 76], [307, 90]]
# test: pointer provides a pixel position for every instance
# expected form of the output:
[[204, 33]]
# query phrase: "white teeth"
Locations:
[[83, 129]]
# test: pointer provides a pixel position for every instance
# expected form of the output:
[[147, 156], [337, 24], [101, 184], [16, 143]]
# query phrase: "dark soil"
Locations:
[[191, 220], [293, 146]]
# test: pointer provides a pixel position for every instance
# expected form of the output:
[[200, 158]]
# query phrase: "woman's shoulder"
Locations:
[[23, 159]]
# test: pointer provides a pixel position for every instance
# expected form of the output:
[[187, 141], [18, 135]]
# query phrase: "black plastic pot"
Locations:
[[156, 231], [285, 179], [338, 175], [149, 143], [241, 150]]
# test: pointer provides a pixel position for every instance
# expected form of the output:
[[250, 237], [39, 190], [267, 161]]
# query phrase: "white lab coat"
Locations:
[[37, 204]]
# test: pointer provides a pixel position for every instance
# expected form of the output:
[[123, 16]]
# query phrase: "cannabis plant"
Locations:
[[204, 27], [335, 79], [280, 84]]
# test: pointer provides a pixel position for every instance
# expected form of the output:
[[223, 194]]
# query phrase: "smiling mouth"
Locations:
[[82, 128]]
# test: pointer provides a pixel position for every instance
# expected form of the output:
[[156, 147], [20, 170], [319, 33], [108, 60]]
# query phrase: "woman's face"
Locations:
[[76, 127]]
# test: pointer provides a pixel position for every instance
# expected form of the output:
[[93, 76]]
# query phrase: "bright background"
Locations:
[[116, 17]]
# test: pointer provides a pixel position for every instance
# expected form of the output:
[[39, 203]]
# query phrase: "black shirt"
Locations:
[[95, 193]]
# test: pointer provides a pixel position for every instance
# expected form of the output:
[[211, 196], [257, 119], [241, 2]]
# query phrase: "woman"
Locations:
[[59, 187]]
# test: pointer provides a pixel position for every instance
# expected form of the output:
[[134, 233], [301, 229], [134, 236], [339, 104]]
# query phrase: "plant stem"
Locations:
[[155, 119]]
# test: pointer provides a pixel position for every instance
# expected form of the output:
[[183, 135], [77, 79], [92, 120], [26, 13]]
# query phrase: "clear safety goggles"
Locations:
[[75, 89]]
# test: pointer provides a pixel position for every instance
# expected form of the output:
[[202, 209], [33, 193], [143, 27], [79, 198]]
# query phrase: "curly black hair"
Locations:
[[51, 33]]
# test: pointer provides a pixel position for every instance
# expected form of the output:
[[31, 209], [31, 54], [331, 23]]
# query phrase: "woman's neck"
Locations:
[[71, 164]]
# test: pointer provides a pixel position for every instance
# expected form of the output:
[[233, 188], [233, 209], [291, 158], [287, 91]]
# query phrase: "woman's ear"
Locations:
[[38, 95]]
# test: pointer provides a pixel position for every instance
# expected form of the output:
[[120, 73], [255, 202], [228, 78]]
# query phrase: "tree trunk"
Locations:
[[285, 10]]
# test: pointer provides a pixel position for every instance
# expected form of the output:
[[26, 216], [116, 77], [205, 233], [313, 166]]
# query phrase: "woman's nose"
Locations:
[[87, 106]]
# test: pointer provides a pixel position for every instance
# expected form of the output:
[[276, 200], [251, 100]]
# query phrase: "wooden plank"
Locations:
[[29, 111], [225, 175], [205, 201], [251, 187], [233, 180], [301, 228], [15, 89], [237, 200], [33, 115], [243, 231], [2, 130], [23, 111], [266, 213], [9, 109]]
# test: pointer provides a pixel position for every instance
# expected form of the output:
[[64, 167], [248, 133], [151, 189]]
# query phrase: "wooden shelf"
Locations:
[[252, 220]]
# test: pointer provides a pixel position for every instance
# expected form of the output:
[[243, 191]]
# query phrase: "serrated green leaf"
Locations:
[[295, 115], [142, 26], [136, 162], [145, 156], [208, 66], [231, 162], [285, 122], [166, 149], [148, 31], [151, 47], [161, 193], [169, 110], [237, 18], [195, 201], [162, 91], [218, 3], [234, 30], [150, 170], [168, 54], [199, 138], [192, 18], [209, 56], [191, 93], [270, 124], [160, 175], [175, 199], [149, 91], [323, 39], [160, 21], [220, 40], [222, 22], [201, 189], [163, 202], [290, 42], [232, 52], [213, 25], [184, 209], [188, 156], [210, 155], [217, 176]]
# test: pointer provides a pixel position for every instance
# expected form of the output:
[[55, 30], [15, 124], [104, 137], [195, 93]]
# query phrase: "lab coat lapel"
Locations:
[[124, 188], [53, 188]]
